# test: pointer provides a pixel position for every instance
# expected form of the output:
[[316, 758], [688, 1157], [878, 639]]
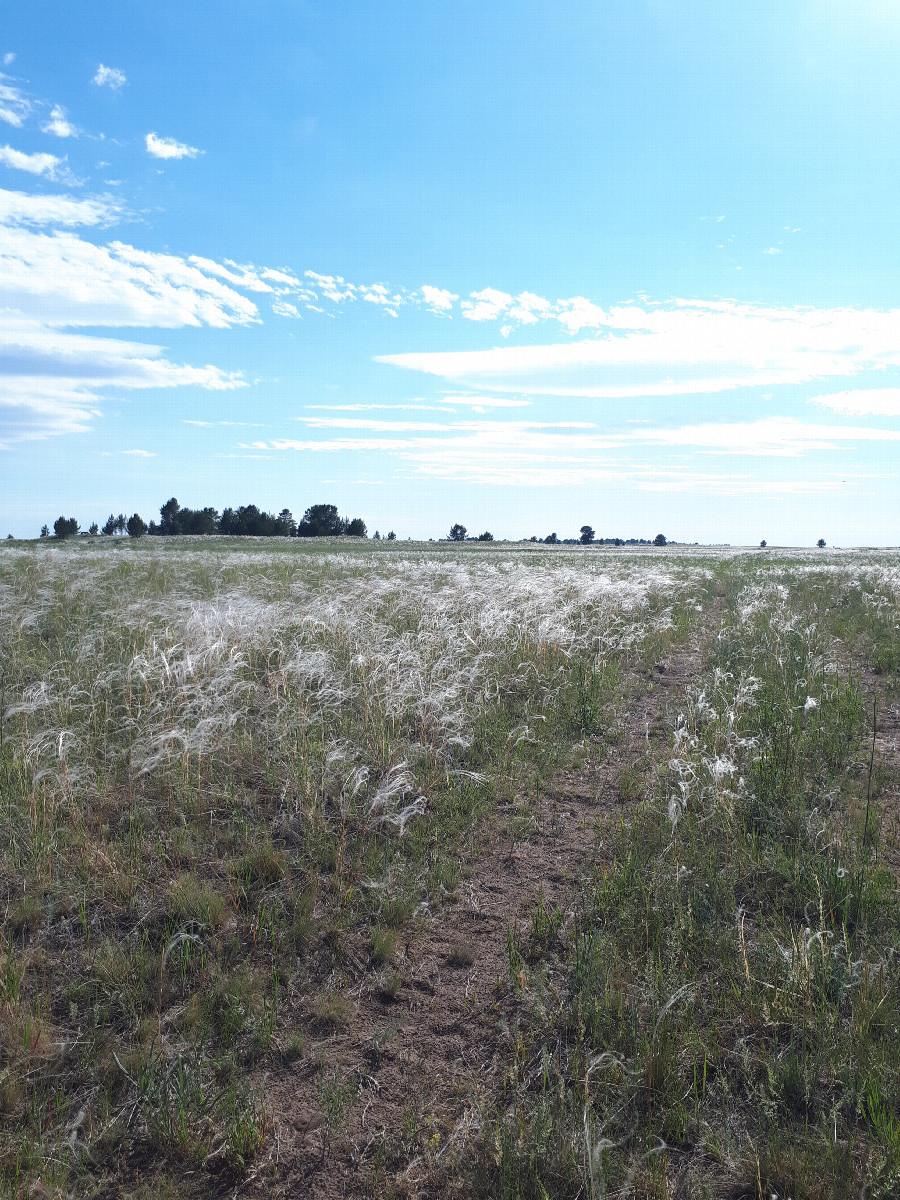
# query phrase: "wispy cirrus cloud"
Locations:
[[168, 148], [15, 106], [67, 281], [772, 437], [685, 348], [571, 453], [377, 425], [18, 208], [241, 276], [449, 403], [52, 378], [216, 424], [54, 382]]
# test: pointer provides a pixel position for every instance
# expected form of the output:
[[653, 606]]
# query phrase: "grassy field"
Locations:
[[487, 871]]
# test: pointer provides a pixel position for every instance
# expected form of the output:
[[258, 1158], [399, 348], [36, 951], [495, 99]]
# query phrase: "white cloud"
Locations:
[[139, 453], [8, 59], [377, 293], [67, 281], [527, 455], [872, 402], [34, 164], [438, 300], [480, 403], [213, 424], [774, 437], [488, 305], [724, 485], [578, 314], [381, 407], [164, 147], [572, 454], [332, 287], [375, 425], [15, 107], [283, 308], [284, 277], [58, 124], [683, 348], [110, 77], [528, 308], [242, 276], [18, 208], [52, 382], [52, 377], [771, 250]]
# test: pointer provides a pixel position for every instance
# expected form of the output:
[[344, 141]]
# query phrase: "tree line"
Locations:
[[459, 533], [319, 520]]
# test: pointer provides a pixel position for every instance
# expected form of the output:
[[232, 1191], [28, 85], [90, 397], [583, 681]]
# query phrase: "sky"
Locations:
[[520, 265]]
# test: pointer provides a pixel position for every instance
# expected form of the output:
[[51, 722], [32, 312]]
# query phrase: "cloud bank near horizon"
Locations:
[[54, 280], [561, 454]]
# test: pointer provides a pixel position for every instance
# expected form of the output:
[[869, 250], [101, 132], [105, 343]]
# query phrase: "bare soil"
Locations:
[[421, 1050]]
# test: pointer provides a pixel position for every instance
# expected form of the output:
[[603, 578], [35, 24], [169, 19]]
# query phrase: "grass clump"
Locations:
[[333, 1010], [228, 773], [729, 986]]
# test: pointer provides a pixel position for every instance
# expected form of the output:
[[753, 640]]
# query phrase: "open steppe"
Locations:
[[335, 869]]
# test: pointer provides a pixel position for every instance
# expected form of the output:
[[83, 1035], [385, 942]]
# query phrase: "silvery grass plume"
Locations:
[[153, 658]]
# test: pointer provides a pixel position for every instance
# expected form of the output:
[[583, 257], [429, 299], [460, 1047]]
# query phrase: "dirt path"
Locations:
[[421, 1060]]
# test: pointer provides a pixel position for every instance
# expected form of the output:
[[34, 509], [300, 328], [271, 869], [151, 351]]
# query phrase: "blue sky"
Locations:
[[520, 265]]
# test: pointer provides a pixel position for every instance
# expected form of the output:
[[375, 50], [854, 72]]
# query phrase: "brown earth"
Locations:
[[421, 1051]]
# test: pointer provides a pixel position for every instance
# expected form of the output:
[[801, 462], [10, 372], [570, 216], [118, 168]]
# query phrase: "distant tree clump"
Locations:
[[587, 535], [175, 520], [65, 527], [323, 520], [457, 533], [114, 524], [763, 544], [485, 537], [660, 540], [286, 523], [551, 539], [45, 531], [392, 537], [320, 520], [248, 521], [93, 529], [821, 543]]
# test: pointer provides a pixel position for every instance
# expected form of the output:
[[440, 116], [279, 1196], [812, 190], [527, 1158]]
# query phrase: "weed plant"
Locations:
[[721, 1018], [228, 778]]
